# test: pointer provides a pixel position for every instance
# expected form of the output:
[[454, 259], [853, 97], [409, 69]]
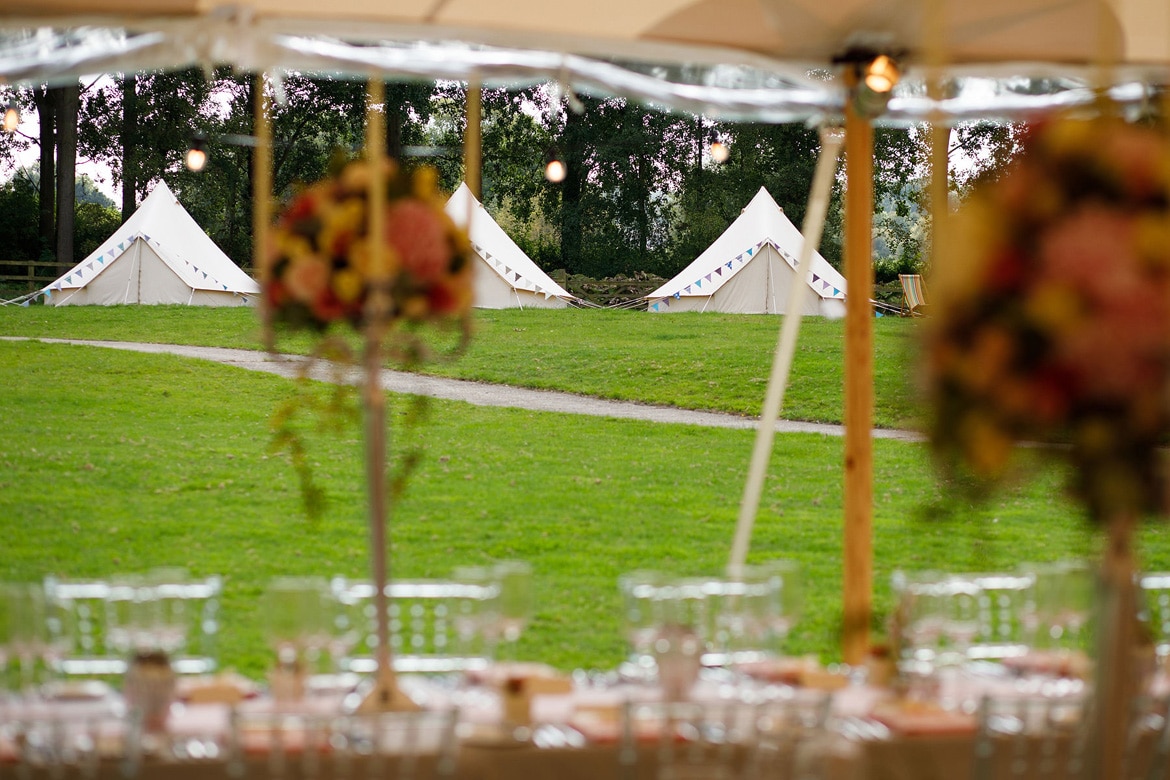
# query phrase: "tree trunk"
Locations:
[[129, 143], [571, 197], [68, 99], [47, 225]]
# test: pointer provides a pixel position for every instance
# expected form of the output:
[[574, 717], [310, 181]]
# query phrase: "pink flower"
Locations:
[[420, 238], [306, 278]]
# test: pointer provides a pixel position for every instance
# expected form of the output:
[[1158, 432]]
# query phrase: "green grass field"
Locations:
[[113, 462]]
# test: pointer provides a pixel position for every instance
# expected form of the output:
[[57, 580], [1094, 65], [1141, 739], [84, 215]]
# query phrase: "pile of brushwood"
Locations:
[[614, 291]]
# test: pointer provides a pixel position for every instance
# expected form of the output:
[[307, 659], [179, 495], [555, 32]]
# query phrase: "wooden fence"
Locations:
[[28, 275]]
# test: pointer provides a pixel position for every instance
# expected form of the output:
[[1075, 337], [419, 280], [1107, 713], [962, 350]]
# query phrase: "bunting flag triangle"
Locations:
[[487, 255], [825, 285], [517, 277], [148, 238], [224, 286], [244, 298], [719, 270], [708, 277], [699, 283], [69, 279], [121, 246], [836, 292], [749, 252], [204, 274], [677, 296], [89, 265], [816, 278], [101, 260], [507, 270], [687, 289], [654, 307], [538, 288]]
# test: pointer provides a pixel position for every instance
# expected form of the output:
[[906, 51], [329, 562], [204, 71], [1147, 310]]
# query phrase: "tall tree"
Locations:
[[129, 137], [46, 215], [68, 98]]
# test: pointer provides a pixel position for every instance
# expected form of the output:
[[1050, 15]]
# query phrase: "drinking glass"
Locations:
[[750, 616], [296, 620], [921, 617], [788, 591], [641, 618], [475, 611], [166, 609], [684, 610], [29, 638], [514, 607], [1061, 604], [961, 611]]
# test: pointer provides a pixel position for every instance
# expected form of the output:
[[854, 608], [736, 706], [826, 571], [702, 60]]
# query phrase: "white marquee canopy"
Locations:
[[747, 59]]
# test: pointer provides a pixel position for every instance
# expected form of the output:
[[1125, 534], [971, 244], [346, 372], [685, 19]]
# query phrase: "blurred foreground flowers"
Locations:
[[1051, 315]]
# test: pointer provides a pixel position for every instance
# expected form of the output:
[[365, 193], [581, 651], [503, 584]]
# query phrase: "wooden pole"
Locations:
[[472, 149], [262, 203], [384, 694], [858, 531]]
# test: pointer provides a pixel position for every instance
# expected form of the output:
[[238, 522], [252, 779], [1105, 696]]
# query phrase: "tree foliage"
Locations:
[[642, 193]]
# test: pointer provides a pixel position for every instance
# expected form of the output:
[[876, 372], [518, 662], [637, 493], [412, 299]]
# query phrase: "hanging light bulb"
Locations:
[[881, 74], [555, 169], [11, 118], [719, 151], [197, 154]]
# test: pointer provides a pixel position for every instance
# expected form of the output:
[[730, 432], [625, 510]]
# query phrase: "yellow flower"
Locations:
[[1152, 239], [425, 182], [988, 447], [347, 285], [1054, 307]]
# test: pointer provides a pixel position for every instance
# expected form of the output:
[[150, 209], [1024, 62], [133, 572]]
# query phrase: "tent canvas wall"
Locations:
[[505, 277], [159, 255], [750, 269]]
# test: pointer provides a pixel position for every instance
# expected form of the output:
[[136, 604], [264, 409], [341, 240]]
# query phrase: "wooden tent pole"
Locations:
[[858, 530], [472, 150], [262, 203]]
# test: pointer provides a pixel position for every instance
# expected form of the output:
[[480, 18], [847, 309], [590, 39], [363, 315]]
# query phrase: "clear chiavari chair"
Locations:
[[689, 740], [1040, 735], [419, 745]]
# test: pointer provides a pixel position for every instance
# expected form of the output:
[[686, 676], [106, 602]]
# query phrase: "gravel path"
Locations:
[[478, 393]]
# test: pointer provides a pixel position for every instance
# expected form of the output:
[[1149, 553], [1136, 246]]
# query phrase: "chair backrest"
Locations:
[[60, 741], [276, 744], [795, 741], [88, 624], [1033, 736], [913, 291], [435, 626], [689, 740], [1003, 630]]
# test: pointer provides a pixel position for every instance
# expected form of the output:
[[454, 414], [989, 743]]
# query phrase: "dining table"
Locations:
[[565, 727]]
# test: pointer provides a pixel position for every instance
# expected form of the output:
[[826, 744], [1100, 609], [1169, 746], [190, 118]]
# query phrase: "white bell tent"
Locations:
[[750, 268], [159, 255], [506, 277]]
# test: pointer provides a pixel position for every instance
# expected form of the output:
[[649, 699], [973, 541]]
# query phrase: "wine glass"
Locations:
[[296, 620], [641, 619], [475, 609], [515, 598]]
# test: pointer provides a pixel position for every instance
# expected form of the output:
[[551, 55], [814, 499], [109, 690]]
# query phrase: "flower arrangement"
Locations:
[[1051, 315], [321, 270]]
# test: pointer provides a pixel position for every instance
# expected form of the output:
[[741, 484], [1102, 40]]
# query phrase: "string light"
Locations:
[[555, 169], [882, 74], [11, 118], [197, 154], [719, 151]]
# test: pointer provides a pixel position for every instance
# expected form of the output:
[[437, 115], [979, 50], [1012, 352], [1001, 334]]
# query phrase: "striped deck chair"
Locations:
[[914, 293]]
